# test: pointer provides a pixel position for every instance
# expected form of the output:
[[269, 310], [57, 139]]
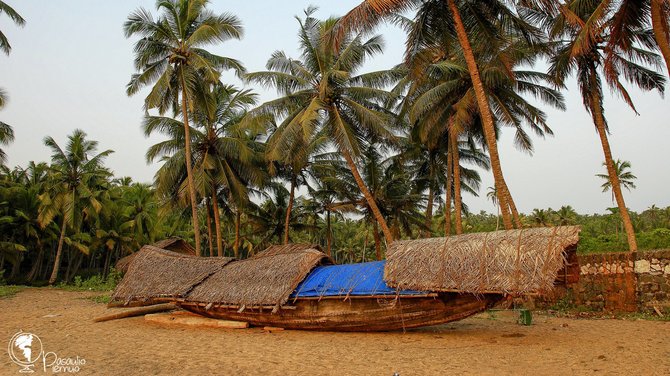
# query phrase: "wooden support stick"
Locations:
[[137, 312], [190, 319]]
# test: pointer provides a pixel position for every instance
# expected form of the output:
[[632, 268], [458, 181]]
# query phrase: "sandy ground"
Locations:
[[482, 345]]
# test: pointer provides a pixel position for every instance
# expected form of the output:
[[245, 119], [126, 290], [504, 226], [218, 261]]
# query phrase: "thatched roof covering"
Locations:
[[514, 261], [177, 245], [267, 279], [157, 273]]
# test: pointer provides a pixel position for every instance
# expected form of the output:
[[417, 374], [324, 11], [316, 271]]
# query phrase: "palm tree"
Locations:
[[433, 162], [322, 93], [492, 195], [267, 219], [462, 18], [585, 57], [566, 215], [224, 156], [624, 18], [394, 192], [541, 217], [294, 162], [170, 56], [623, 172], [75, 181], [18, 20], [6, 131]]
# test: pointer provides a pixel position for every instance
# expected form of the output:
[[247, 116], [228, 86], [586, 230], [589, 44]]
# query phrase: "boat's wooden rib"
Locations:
[[372, 314]]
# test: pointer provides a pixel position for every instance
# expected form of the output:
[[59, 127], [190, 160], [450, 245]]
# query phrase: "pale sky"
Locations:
[[70, 64]]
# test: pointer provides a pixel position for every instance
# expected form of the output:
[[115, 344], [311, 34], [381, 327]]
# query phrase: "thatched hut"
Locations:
[[265, 280], [507, 262], [158, 274], [177, 245]]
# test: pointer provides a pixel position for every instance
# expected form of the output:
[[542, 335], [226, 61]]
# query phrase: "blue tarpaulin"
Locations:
[[352, 279]]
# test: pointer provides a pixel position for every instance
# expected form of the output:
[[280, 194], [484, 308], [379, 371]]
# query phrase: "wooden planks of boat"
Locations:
[[356, 314]]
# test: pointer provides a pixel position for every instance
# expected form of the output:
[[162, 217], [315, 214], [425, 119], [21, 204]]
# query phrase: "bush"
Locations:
[[94, 283]]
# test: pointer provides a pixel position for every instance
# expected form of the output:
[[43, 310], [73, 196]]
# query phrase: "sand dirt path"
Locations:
[[479, 346]]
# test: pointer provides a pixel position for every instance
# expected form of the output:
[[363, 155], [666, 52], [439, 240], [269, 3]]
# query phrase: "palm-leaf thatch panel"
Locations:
[[157, 273], [267, 279], [510, 262], [288, 249], [177, 245]]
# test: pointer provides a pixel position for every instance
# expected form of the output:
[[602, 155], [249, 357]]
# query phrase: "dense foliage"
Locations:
[[344, 158]]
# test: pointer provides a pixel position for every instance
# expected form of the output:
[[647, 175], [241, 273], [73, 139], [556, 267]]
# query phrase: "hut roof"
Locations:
[[177, 245], [157, 273], [513, 261], [267, 279]]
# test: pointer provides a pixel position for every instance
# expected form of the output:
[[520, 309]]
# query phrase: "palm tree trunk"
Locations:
[[429, 206], [485, 113], [599, 119], [447, 196], [659, 26], [329, 235], [378, 243], [217, 223], [368, 197], [289, 208], [236, 245], [512, 207], [210, 235], [37, 265], [456, 166], [189, 169], [59, 253]]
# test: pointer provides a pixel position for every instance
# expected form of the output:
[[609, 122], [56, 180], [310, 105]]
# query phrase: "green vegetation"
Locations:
[[342, 157], [101, 299], [8, 291], [93, 283]]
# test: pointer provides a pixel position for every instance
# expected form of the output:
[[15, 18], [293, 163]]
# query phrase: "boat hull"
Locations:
[[357, 314]]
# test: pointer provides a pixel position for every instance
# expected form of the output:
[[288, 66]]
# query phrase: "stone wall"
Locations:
[[622, 282]]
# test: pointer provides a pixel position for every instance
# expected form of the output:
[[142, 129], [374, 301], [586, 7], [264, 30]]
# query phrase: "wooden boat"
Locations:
[[423, 282], [358, 313]]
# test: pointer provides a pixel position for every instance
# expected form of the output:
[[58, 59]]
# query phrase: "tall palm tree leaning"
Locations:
[[18, 20], [322, 92], [586, 56], [74, 179], [169, 56], [370, 12], [631, 15], [6, 131]]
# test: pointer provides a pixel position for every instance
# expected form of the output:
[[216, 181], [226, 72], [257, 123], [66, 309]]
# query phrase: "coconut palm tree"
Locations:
[[169, 56], [587, 58], [294, 163], [566, 215], [623, 172], [323, 93], [394, 191], [541, 217], [624, 18], [76, 178], [14, 16], [433, 164], [224, 156], [442, 101], [6, 131], [463, 19]]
